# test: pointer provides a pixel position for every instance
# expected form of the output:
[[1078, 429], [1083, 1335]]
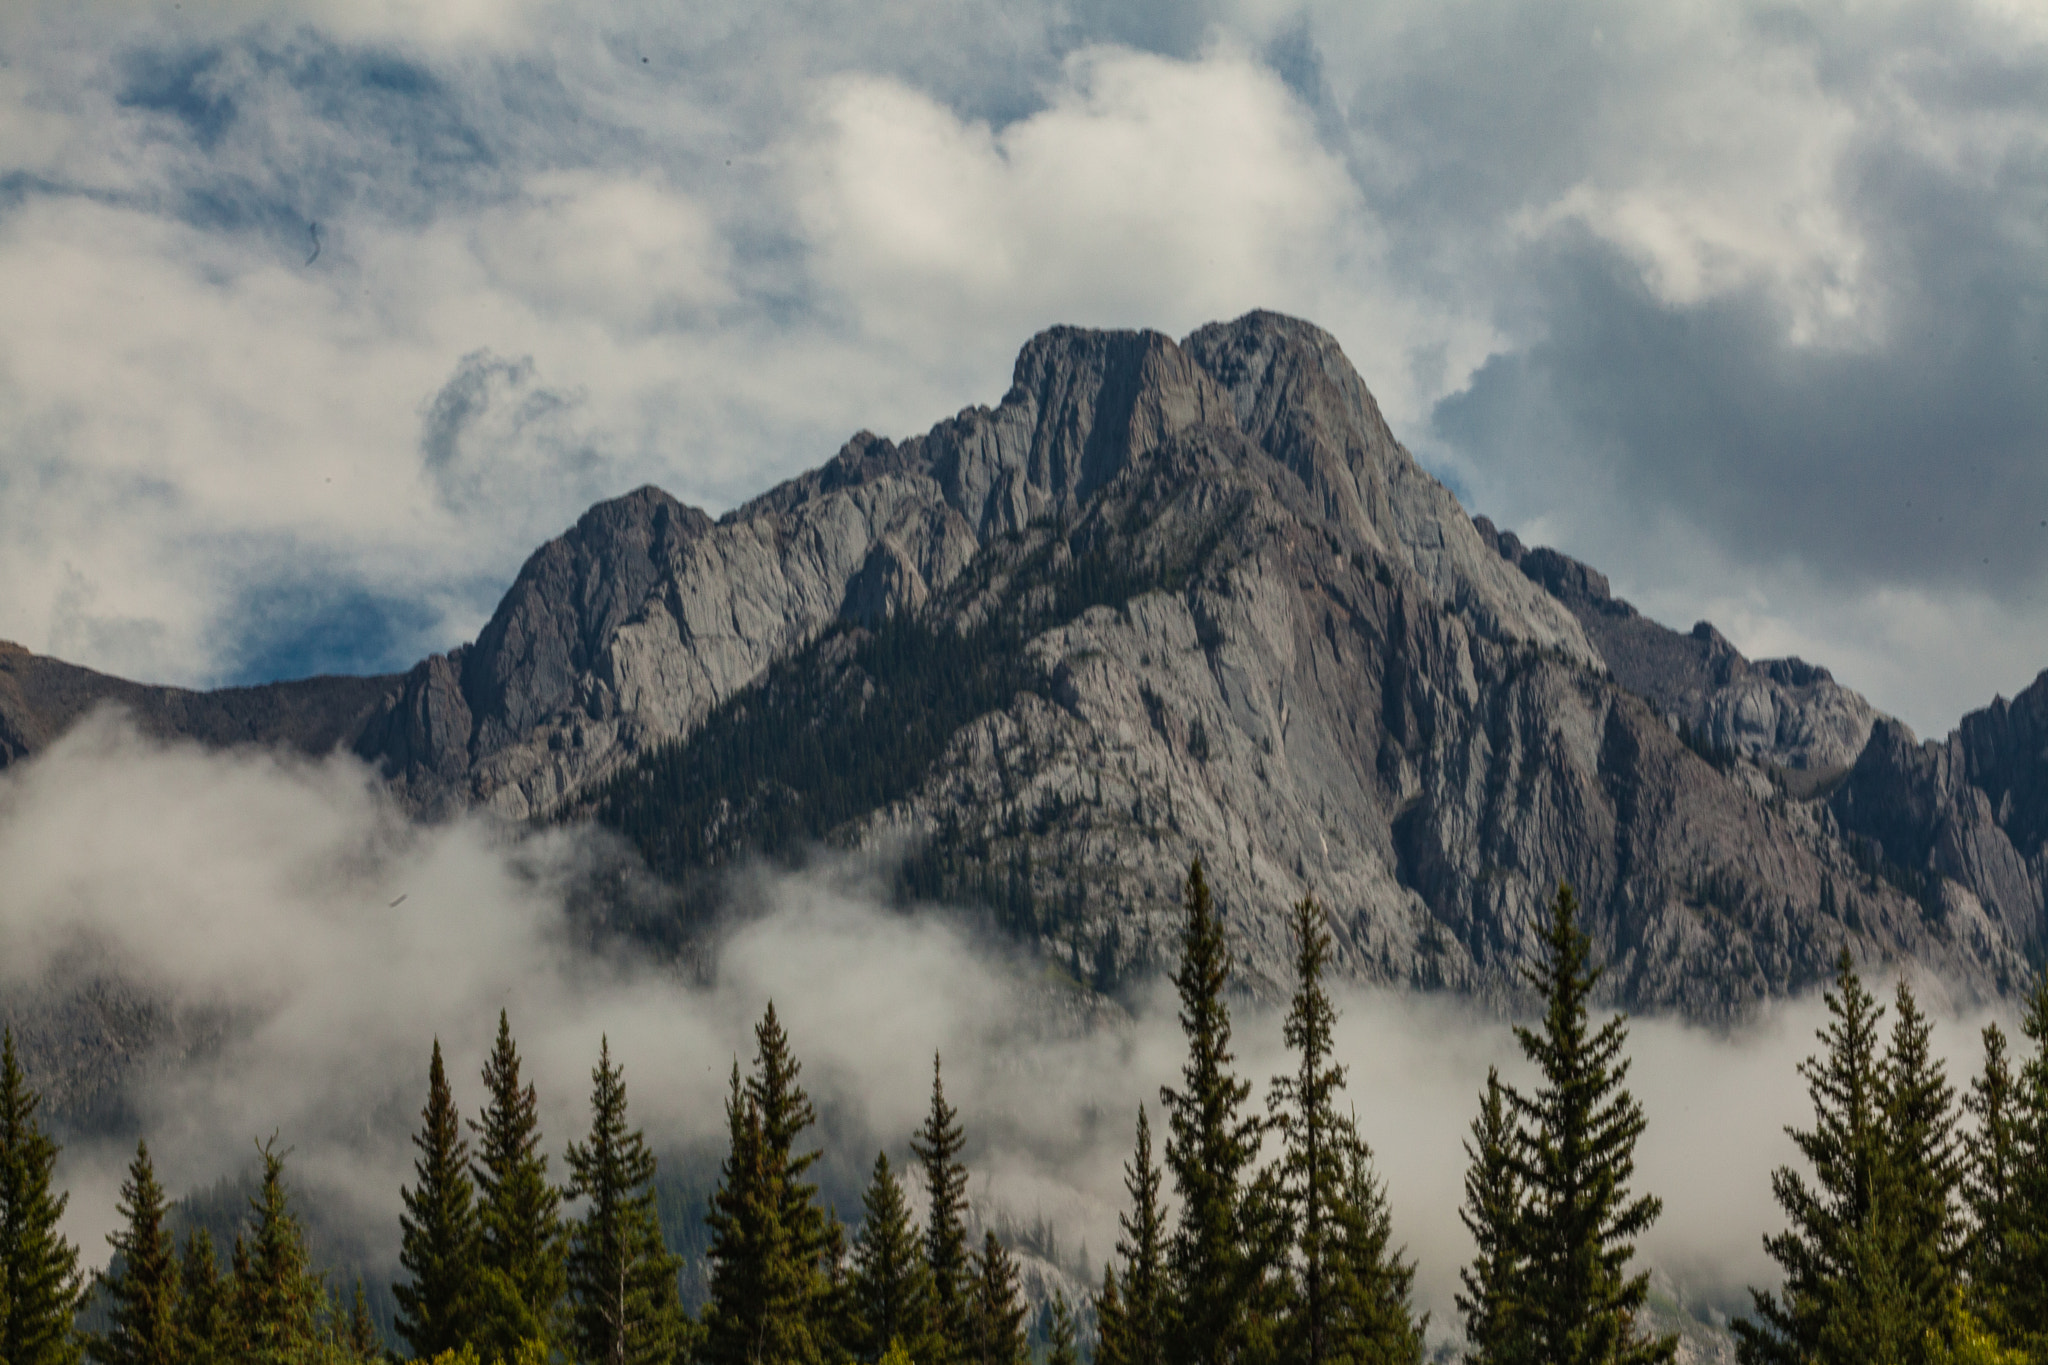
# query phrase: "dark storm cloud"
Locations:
[[1918, 456]]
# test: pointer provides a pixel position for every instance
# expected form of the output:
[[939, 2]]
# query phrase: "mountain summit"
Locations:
[[1171, 599]]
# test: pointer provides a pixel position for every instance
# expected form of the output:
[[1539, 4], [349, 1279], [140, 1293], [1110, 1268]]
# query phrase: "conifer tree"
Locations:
[[276, 1303], [937, 1148], [360, 1337], [2027, 1278], [437, 1306], [772, 1293], [1112, 1335], [1496, 1329], [1835, 1279], [1210, 1146], [890, 1289], [142, 1283], [521, 1280], [1922, 1171], [1989, 1181], [1144, 1301], [624, 1308], [1061, 1347], [996, 1313], [1348, 1291], [202, 1301], [1372, 1285], [40, 1287], [1574, 1163]]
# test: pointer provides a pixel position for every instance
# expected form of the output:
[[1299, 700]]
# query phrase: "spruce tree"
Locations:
[[1145, 1304], [1060, 1343], [772, 1293], [40, 1288], [203, 1307], [1496, 1327], [996, 1313], [937, 1148], [277, 1305], [2027, 1278], [360, 1337], [521, 1280], [437, 1306], [142, 1283], [1922, 1172], [890, 1291], [624, 1308], [1210, 1146], [1349, 1288], [1372, 1285], [1112, 1337], [1831, 1255], [1989, 1182], [1576, 1158]]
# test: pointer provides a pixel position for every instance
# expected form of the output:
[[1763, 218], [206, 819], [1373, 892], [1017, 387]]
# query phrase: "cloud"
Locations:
[[313, 943]]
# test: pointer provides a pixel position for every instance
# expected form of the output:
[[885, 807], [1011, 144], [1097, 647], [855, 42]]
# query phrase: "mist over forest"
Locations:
[[308, 944]]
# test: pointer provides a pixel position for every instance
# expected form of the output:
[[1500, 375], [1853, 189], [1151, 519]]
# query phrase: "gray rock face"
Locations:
[[1311, 669], [1969, 812], [1784, 712]]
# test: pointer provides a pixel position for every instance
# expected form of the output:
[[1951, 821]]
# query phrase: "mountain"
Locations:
[[1171, 599]]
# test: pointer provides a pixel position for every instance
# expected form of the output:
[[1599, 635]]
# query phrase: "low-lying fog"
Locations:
[[337, 940]]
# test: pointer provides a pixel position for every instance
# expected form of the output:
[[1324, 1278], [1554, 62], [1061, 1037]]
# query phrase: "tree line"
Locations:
[[1911, 1236]]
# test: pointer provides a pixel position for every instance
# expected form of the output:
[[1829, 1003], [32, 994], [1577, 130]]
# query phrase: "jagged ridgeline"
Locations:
[[1186, 599]]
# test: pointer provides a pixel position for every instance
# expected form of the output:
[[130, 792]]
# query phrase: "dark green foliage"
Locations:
[[359, 1337], [203, 1322], [1495, 1328], [2008, 1186], [622, 1282], [437, 1306], [277, 1305], [1989, 1183], [1837, 1288], [1922, 1172], [937, 1148], [890, 1290], [1210, 1146], [996, 1313], [521, 1280], [1574, 1162], [772, 1293], [1060, 1347], [1347, 1289], [1132, 1317], [142, 1284], [40, 1288]]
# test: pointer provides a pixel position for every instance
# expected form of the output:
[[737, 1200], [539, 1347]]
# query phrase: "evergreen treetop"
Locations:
[[1496, 1330], [203, 1323], [1574, 1163], [937, 1145], [890, 1291], [439, 1248], [40, 1287], [1146, 1302], [997, 1314], [521, 1280], [1209, 1149], [624, 1308], [142, 1283], [276, 1304]]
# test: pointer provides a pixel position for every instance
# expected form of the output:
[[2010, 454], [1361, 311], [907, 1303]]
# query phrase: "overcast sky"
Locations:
[[319, 317]]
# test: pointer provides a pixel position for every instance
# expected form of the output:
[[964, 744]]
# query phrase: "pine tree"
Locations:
[[996, 1313], [1574, 1163], [142, 1284], [276, 1303], [1922, 1171], [2023, 1282], [522, 1281], [624, 1308], [437, 1306], [1836, 1284], [1061, 1348], [360, 1337], [772, 1247], [1496, 1328], [937, 1147], [1372, 1284], [890, 1291], [1209, 1148], [1989, 1184], [1349, 1288], [202, 1302], [1112, 1336], [1145, 1301], [40, 1287]]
